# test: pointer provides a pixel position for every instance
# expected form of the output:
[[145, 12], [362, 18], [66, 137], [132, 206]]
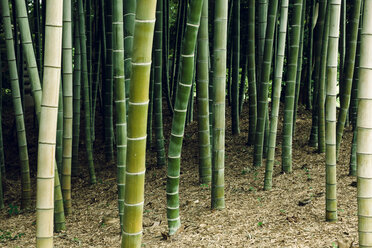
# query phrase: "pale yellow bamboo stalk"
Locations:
[[48, 124], [364, 129]]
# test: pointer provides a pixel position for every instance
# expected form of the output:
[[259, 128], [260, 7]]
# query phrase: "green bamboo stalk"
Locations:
[[262, 24], [332, 62], [48, 125], [319, 29], [108, 86], [347, 78], [137, 120], [353, 155], [75, 164], [16, 97], [2, 160], [364, 127], [299, 66], [354, 104], [129, 15], [252, 73], [59, 139], [219, 86], [290, 86], [277, 87], [322, 87], [26, 40], [235, 69], [158, 73], [202, 83], [242, 87], [38, 39], [309, 83], [264, 86], [2, 164], [121, 122], [181, 22], [59, 213], [180, 107], [151, 108], [84, 69], [67, 80]]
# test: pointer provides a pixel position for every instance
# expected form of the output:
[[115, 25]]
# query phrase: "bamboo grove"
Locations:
[[128, 63]]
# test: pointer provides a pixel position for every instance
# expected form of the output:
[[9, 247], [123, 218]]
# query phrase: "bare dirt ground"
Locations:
[[252, 218]]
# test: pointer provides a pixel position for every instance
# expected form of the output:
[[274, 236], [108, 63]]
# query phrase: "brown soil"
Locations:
[[252, 218]]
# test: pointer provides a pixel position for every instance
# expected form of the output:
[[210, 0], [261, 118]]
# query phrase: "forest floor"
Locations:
[[252, 217]]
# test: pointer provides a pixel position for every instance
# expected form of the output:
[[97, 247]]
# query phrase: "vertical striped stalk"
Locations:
[[354, 105], [2, 161], [310, 49], [180, 107], [262, 24], [59, 213], [26, 40], [291, 85], [252, 73], [84, 70], [347, 78], [242, 87], [16, 97], [219, 86], [88, 13], [158, 73], [235, 69], [48, 124], [59, 138], [75, 164], [264, 86], [108, 86], [129, 15], [277, 87], [299, 66], [364, 126], [332, 61], [137, 121], [181, 22], [151, 108], [166, 54], [2, 165], [322, 86], [202, 82], [38, 39], [121, 122], [67, 104], [317, 57]]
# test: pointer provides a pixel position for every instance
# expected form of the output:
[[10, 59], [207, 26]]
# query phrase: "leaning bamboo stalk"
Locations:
[[277, 87], [16, 97], [264, 84], [180, 107], [26, 40], [348, 72], [48, 124]]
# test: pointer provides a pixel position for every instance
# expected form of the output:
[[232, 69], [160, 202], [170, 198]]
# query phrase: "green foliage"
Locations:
[[13, 209], [8, 236]]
